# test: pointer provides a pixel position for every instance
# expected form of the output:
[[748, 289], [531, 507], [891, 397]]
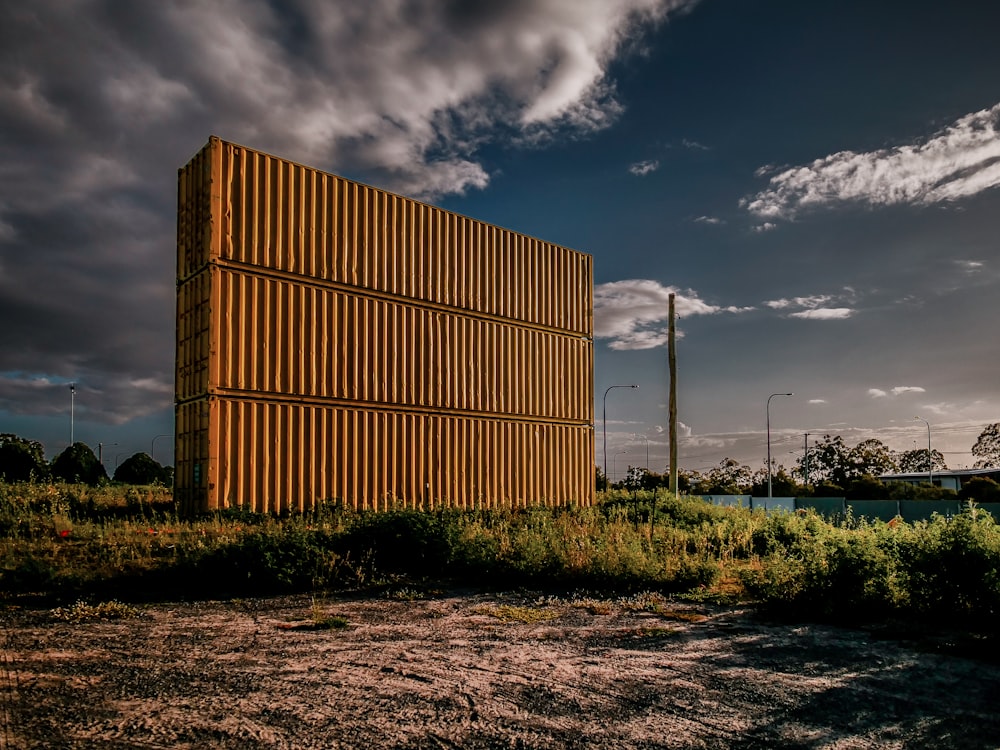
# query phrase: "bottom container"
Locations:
[[276, 456]]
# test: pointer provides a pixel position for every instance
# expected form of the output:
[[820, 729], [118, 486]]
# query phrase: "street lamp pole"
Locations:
[[72, 403], [768, 412], [615, 464], [930, 462], [605, 427], [647, 448], [153, 443], [805, 458]]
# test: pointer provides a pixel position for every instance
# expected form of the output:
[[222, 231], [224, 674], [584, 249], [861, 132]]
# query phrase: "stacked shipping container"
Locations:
[[339, 342]]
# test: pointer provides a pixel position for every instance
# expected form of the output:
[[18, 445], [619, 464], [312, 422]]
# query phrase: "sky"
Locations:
[[817, 182]]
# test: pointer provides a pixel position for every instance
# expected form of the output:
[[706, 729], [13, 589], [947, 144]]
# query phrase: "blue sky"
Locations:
[[818, 182]]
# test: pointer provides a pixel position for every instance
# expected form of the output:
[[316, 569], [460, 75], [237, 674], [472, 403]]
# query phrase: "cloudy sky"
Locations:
[[818, 182]]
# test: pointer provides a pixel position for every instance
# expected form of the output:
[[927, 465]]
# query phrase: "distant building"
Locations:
[[949, 479]]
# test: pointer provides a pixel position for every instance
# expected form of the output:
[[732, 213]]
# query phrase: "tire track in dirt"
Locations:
[[9, 688], [442, 673]]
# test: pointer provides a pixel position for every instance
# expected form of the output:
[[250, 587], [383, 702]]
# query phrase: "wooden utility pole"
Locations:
[[672, 357]]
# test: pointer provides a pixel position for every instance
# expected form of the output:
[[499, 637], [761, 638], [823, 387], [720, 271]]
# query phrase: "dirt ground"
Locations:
[[466, 670]]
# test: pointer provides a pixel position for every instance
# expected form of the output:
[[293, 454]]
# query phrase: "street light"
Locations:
[[100, 452], [615, 464], [605, 429], [153, 443], [768, 411], [647, 449], [930, 463], [72, 400]]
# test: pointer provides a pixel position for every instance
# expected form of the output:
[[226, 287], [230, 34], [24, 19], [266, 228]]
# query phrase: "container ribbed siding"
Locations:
[[335, 341], [380, 458], [359, 348]]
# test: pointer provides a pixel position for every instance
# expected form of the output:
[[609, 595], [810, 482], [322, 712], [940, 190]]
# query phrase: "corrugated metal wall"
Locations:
[[335, 341]]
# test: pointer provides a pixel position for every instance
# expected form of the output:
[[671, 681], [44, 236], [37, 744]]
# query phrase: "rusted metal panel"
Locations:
[[194, 485], [194, 330], [335, 341]]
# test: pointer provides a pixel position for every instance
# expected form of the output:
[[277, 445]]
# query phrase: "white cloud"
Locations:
[[634, 313], [811, 302], [709, 220], [897, 390], [824, 313], [970, 266], [814, 307], [687, 143], [641, 168], [957, 162], [767, 226]]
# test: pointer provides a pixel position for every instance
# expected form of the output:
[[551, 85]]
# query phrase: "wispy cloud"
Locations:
[[815, 307], [970, 266], [817, 401], [767, 226], [824, 313], [641, 168], [709, 220], [633, 313], [809, 302], [899, 389], [688, 143], [957, 162]]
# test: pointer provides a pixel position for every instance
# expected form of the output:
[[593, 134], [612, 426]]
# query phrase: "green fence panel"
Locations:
[[884, 510], [826, 506], [993, 508], [730, 501], [922, 510], [772, 504]]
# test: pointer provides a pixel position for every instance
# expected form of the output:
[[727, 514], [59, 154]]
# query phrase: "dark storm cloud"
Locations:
[[101, 102]]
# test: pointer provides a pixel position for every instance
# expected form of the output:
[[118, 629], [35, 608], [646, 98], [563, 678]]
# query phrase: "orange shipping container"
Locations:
[[336, 341]]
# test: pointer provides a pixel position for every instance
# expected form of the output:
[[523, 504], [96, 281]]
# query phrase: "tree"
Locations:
[[21, 460], [915, 461], [980, 489], [600, 480], [871, 457], [833, 462], [634, 478], [828, 461], [867, 487], [78, 464], [987, 447], [140, 469], [730, 477], [782, 483]]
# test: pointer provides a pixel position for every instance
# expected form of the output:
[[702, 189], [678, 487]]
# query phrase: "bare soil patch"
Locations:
[[470, 670]]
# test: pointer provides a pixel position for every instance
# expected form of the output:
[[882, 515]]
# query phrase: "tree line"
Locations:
[[23, 460], [831, 468]]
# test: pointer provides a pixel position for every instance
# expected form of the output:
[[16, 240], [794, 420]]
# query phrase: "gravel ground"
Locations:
[[480, 671]]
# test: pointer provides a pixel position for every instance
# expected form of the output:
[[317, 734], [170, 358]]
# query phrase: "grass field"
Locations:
[[72, 542]]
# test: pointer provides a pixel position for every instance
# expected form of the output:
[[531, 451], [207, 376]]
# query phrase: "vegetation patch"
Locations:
[[86, 612], [641, 551], [527, 615]]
